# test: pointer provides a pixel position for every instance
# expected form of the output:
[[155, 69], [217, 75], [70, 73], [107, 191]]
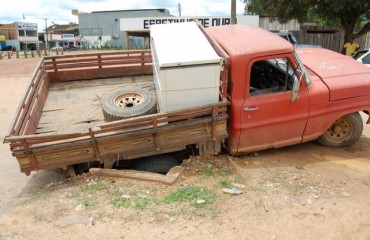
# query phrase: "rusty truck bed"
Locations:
[[76, 106], [60, 123]]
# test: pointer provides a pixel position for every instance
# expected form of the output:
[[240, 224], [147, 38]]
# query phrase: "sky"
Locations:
[[60, 11]]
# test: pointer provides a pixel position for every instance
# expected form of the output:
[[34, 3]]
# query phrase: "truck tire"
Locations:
[[125, 103], [344, 132], [156, 164]]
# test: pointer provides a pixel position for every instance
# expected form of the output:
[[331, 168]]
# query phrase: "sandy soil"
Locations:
[[305, 191]]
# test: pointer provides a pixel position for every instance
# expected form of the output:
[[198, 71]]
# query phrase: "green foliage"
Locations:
[[225, 183], [119, 202], [94, 187], [89, 202], [73, 24], [192, 195], [345, 13]]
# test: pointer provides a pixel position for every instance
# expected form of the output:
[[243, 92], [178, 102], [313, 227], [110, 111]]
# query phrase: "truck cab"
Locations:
[[276, 101]]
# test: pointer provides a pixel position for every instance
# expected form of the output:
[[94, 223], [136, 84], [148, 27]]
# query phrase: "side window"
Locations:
[[271, 76]]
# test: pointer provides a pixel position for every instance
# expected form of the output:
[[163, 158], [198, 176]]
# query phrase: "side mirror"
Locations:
[[295, 90]]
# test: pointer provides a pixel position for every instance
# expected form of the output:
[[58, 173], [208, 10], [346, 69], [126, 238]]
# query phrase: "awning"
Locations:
[[142, 33], [30, 41]]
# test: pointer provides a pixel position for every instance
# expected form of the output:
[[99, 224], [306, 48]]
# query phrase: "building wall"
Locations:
[[98, 29], [21, 35], [9, 31]]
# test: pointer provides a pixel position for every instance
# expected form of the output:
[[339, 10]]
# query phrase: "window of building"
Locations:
[[31, 33]]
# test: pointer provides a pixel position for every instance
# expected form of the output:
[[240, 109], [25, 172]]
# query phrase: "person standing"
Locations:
[[350, 47]]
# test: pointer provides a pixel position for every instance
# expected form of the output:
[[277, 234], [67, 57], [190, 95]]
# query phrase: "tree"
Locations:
[[349, 14]]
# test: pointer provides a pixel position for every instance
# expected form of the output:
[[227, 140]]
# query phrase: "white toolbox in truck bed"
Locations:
[[186, 68]]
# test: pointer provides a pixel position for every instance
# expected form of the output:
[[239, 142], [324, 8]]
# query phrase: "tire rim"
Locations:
[[340, 131], [129, 100]]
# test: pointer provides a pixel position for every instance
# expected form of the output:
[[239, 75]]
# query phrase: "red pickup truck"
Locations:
[[270, 95], [281, 96]]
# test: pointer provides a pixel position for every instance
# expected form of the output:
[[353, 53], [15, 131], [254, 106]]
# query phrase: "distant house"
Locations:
[[62, 35], [20, 35]]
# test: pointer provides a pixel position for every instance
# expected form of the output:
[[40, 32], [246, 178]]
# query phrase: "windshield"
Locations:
[[302, 69]]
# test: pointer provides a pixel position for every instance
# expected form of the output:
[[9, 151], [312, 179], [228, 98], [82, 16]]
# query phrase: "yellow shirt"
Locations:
[[350, 48]]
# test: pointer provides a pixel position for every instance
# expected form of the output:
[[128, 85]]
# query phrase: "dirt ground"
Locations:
[[305, 191]]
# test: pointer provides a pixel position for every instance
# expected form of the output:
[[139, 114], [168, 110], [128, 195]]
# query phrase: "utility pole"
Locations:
[[233, 12], [179, 8], [46, 33]]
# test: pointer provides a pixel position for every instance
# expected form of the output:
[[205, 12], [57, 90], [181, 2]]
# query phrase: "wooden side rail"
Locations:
[[181, 117]]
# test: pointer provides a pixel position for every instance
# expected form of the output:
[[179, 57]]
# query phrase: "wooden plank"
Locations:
[[33, 113], [88, 73], [23, 108], [169, 178]]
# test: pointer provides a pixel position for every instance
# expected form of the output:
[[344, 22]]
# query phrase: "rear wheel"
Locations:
[[344, 132]]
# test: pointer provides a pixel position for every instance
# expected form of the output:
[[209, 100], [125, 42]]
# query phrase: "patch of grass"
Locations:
[[225, 183], [94, 187], [40, 217], [114, 190], [143, 199], [192, 194], [101, 216], [278, 181], [231, 181], [207, 173], [119, 202], [295, 188], [141, 203], [89, 203], [76, 194], [225, 171], [240, 179]]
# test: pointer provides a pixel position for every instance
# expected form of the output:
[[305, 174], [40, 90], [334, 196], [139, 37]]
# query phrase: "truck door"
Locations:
[[268, 117]]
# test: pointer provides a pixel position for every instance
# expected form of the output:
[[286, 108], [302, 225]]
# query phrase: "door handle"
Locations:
[[249, 109]]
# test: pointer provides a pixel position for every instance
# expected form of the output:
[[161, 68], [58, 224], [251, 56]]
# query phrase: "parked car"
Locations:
[[363, 56], [56, 48], [289, 36], [9, 48], [70, 48]]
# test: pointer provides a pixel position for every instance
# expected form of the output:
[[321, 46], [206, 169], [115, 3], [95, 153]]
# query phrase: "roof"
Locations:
[[241, 39], [61, 28]]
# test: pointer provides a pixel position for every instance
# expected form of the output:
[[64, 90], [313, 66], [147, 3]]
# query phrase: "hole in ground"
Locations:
[[157, 164]]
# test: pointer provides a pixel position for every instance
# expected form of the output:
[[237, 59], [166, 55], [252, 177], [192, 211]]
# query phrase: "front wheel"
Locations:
[[344, 132]]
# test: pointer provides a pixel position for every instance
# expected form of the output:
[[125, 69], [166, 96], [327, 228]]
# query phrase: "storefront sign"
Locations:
[[70, 36], [28, 26], [137, 24]]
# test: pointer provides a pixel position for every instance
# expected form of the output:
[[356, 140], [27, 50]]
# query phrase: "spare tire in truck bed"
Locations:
[[125, 103]]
